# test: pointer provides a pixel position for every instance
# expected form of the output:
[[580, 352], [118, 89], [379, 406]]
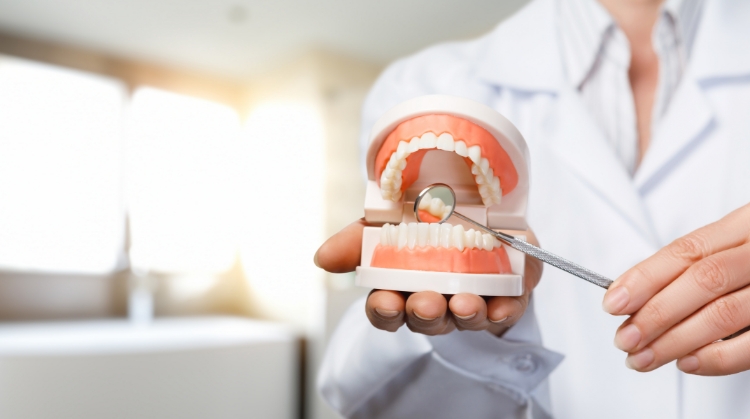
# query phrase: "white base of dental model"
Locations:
[[440, 282]]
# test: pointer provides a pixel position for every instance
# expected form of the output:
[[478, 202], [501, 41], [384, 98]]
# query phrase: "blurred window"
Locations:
[[284, 205], [182, 180], [60, 181]]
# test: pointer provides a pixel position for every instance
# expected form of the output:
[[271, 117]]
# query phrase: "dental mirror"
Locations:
[[437, 203]]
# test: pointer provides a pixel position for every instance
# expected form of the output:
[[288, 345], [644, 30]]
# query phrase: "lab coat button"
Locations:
[[525, 364]]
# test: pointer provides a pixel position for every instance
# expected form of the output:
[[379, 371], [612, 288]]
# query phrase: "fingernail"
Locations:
[[499, 321], [615, 300], [640, 360], [469, 317], [427, 319], [315, 260], [386, 313], [689, 363], [628, 338]]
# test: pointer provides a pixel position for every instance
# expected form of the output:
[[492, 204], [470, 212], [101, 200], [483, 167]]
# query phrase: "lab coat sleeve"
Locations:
[[370, 373]]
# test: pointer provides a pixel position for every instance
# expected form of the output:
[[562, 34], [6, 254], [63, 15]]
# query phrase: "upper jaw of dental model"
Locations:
[[436, 235], [391, 179]]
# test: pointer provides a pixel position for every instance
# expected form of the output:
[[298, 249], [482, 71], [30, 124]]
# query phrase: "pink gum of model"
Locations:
[[416, 144]]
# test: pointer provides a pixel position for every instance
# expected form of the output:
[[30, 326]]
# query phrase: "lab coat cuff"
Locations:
[[517, 366]]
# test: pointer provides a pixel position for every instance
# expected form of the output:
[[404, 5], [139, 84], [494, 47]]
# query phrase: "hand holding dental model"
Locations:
[[459, 142], [455, 141]]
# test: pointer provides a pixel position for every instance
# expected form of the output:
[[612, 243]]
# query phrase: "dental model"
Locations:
[[483, 157]]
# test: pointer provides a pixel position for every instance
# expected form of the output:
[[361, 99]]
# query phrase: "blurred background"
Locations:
[[167, 170]]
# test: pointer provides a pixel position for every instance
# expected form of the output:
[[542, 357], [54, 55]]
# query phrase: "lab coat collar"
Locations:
[[688, 118], [523, 52], [722, 42], [579, 142], [717, 57]]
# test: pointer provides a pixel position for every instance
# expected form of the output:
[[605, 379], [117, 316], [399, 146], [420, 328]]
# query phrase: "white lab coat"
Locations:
[[584, 206]]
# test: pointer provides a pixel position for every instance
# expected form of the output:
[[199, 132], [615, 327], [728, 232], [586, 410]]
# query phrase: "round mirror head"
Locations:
[[435, 204]]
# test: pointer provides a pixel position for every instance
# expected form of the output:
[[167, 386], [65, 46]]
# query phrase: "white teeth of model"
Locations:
[[397, 183], [423, 234], [437, 206], [392, 178], [446, 212], [487, 183], [434, 239], [413, 145], [401, 152], [411, 239], [475, 154], [384, 235], [428, 140], [445, 142], [461, 150], [403, 234], [496, 184], [383, 177], [487, 200], [393, 235], [395, 163], [445, 235], [458, 237], [469, 238], [414, 235], [424, 204], [488, 241], [478, 241], [484, 164]]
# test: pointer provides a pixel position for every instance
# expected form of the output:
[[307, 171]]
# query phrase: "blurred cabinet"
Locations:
[[218, 368]]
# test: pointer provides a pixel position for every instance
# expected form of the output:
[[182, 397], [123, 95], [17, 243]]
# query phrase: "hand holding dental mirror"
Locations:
[[428, 208]]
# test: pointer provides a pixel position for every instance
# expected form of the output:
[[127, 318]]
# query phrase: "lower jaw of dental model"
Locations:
[[439, 248], [399, 159]]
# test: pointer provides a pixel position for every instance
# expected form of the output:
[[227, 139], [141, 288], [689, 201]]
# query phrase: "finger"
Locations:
[[342, 251], [385, 309], [504, 312], [722, 317], [702, 283], [636, 286], [719, 358], [427, 313], [469, 311]]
